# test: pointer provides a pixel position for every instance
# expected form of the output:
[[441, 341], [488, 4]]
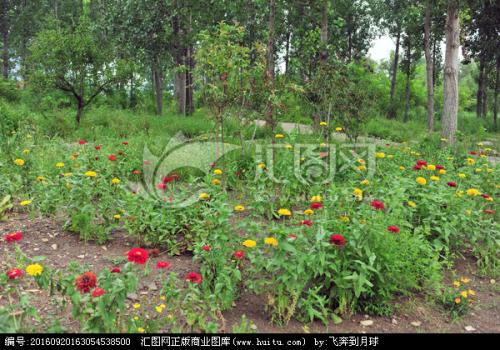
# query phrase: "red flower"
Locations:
[[138, 255], [292, 236], [194, 277], [377, 205], [206, 248], [136, 172], [14, 274], [393, 229], [473, 153], [161, 187], [212, 165], [170, 178], [485, 196], [112, 157], [417, 167], [162, 265], [116, 269], [421, 163], [316, 205], [338, 240], [82, 142], [120, 153], [439, 167], [125, 143], [13, 237], [97, 147], [489, 211], [239, 254], [98, 292], [85, 282], [306, 222], [452, 184]]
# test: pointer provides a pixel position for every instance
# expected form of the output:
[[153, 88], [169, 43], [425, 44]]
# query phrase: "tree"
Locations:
[[5, 30], [70, 59], [429, 65], [450, 104]]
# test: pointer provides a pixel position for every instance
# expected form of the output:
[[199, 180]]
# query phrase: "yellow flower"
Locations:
[[461, 175], [288, 146], [338, 129], [262, 165], [380, 155], [136, 318], [26, 151], [464, 293], [249, 243], [215, 182], [284, 212], [117, 216], [473, 192], [390, 156], [421, 181], [204, 195], [344, 218], [361, 168], [471, 292], [40, 178], [26, 202], [141, 330], [159, 309], [136, 306], [60, 165], [308, 212], [435, 178], [465, 280], [279, 136], [470, 161], [34, 269], [489, 170], [478, 170], [271, 241], [217, 172], [402, 168], [67, 174], [239, 208], [322, 124], [19, 162], [412, 204], [431, 167], [489, 199], [316, 199], [365, 182], [442, 172], [459, 193], [115, 181], [90, 173], [456, 284], [358, 193], [458, 300]]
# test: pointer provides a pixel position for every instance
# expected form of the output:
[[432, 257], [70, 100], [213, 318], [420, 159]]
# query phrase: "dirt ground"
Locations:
[[413, 314]]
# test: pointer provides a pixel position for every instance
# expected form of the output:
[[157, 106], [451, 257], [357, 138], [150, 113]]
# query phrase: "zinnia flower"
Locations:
[[60, 165], [435, 178], [217, 172], [380, 155], [316, 205], [24, 203], [249, 243], [14, 274], [13, 237], [337, 240], [239, 254], [98, 292], [316, 198], [393, 229], [358, 193], [421, 163], [162, 265], [194, 277], [473, 192], [161, 186], [279, 136], [204, 195], [116, 269], [85, 282], [206, 248], [271, 241], [377, 205], [34, 269], [82, 142], [138, 255], [125, 143], [112, 157], [97, 147], [306, 222], [308, 212], [284, 212], [421, 180], [170, 178], [19, 162], [338, 129], [90, 174], [452, 184], [115, 181], [239, 208], [136, 172], [215, 182]]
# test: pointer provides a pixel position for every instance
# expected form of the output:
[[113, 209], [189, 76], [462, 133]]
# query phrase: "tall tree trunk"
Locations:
[[270, 40], [429, 66], [407, 84], [324, 32], [450, 105], [485, 96], [495, 95], [79, 110], [189, 109], [392, 109], [5, 39], [158, 86], [434, 71], [287, 51], [480, 87]]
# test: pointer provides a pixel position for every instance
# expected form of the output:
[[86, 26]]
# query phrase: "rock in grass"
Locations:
[[469, 329], [366, 323]]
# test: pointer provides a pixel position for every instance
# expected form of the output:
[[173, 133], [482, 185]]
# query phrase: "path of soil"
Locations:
[[46, 238]]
